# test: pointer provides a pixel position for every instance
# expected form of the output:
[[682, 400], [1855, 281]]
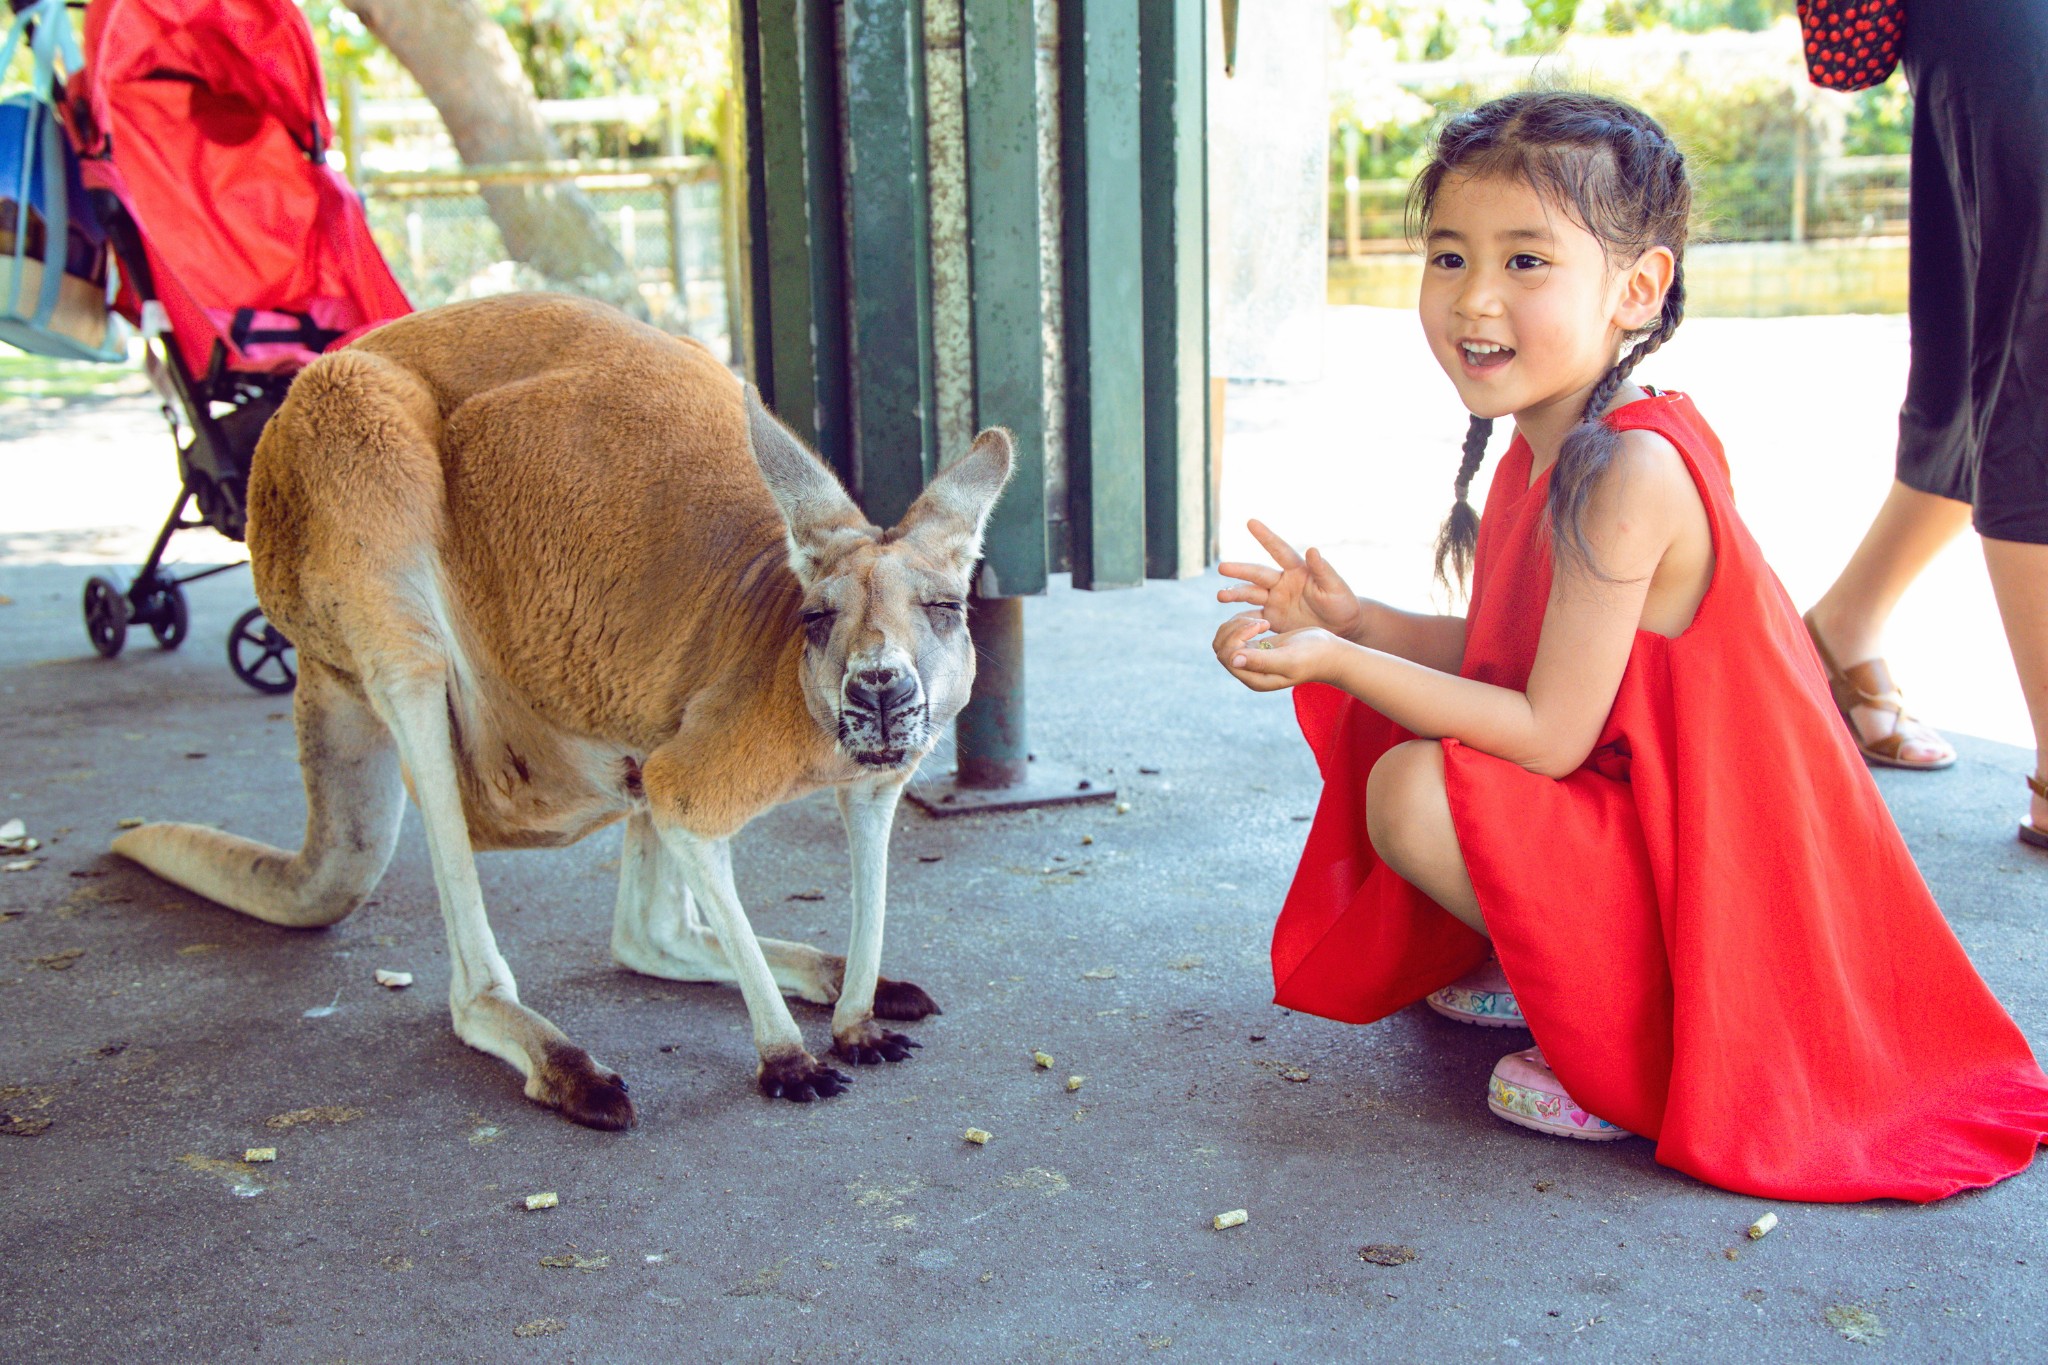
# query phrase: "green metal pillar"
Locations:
[[1003, 259], [1105, 297], [1180, 515], [888, 256], [789, 64]]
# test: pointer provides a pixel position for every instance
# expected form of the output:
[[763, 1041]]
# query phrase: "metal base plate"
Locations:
[[1044, 784]]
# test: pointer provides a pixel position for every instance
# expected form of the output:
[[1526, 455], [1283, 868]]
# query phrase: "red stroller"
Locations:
[[202, 130]]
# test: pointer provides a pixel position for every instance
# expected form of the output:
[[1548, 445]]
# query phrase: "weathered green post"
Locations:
[[969, 213]]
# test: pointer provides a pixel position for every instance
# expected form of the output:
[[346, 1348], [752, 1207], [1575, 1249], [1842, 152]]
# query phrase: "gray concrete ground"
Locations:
[[159, 1037]]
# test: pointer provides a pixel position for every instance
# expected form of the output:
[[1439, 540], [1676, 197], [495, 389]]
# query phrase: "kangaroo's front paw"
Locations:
[[901, 1000], [570, 1081], [868, 1042], [801, 1077]]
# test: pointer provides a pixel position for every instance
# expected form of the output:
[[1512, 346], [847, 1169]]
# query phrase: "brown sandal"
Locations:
[[1869, 684], [2031, 833]]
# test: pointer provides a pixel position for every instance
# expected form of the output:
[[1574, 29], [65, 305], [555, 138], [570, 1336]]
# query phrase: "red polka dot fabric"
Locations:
[[1851, 44]]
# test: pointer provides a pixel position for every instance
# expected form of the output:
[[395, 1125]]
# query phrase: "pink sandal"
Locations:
[[1525, 1090], [1481, 996]]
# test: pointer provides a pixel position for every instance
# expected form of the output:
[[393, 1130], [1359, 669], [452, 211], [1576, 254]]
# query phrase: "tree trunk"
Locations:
[[465, 65]]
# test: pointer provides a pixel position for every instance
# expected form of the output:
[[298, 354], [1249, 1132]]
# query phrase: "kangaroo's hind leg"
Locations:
[[658, 930], [481, 992], [355, 800]]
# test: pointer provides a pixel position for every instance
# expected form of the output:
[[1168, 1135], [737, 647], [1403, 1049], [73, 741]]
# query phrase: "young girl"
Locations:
[[1623, 767]]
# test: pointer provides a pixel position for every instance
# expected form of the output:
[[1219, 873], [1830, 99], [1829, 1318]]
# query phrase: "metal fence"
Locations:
[[665, 216], [1787, 200]]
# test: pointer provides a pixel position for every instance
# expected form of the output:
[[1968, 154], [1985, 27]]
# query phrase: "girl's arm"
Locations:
[[1650, 539], [1436, 642]]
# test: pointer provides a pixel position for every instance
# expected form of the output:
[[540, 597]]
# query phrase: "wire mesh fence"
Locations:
[[1786, 200], [443, 245]]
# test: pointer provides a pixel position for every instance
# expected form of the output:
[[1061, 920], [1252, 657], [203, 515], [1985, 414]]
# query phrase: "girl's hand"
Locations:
[[1278, 661], [1301, 593]]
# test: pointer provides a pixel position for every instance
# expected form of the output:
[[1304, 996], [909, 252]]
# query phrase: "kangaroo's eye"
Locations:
[[945, 616], [818, 626]]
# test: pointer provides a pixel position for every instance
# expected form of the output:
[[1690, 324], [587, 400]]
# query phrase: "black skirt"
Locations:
[[1974, 426]]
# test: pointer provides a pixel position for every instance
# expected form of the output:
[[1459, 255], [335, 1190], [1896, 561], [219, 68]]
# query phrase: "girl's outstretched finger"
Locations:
[[1255, 596], [1283, 553], [1259, 575]]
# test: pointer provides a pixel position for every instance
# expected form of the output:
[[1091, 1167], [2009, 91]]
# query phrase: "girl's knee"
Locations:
[[1405, 801]]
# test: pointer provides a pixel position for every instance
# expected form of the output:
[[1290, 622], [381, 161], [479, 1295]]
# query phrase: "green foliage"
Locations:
[[571, 49], [576, 49], [1880, 122]]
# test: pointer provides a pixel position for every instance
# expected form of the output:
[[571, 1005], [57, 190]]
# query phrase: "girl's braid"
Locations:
[[1460, 530]]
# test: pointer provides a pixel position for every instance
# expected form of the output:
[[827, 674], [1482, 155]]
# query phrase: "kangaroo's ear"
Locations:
[[950, 515], [819, 517]]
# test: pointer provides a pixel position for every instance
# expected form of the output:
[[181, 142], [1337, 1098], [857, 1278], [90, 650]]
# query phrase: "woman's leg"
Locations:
[[1408, 818], [1909, 531], [2019, 578]]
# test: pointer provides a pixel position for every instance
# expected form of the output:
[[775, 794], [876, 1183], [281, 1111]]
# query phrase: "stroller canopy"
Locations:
[[208, 118]]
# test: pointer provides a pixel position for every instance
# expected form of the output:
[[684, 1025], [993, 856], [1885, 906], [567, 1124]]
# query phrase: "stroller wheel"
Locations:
[[168, 617], [260, 655], [106, 615]]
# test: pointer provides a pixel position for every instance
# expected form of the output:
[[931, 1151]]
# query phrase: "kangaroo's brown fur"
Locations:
[[548, 568]]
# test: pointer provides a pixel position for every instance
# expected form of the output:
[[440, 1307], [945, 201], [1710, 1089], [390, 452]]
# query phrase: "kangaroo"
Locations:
[[547, 568]]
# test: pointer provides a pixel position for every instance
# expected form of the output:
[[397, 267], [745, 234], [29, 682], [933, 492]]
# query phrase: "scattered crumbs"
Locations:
[[1099, 974], [1387, 1253], [978, 1136], [542, 1201], [1044, 1060], [1761, 1227], [540, 1327], [260, 1154], [569, 1260], [1854, 1323], [60, 962], [1074, 1082], [1545, 1186], [1234, 1218], [1184, 964], [1087, 839], [322, 1113], [812, 895], [198, 949], [396, 981], [1123, 808]]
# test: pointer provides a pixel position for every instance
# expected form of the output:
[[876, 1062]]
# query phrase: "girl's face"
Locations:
[[1520, 304]]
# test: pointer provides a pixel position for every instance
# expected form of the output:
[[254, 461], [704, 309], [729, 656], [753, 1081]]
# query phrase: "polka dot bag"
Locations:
[[1851, 44]]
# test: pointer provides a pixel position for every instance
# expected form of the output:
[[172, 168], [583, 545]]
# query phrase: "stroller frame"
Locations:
[[213, 471]]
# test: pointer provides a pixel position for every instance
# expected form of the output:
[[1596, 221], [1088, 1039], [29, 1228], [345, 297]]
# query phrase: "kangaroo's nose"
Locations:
[[881, 690]]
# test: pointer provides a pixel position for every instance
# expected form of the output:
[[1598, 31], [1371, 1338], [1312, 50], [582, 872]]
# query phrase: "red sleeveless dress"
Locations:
[[1713, 927]]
